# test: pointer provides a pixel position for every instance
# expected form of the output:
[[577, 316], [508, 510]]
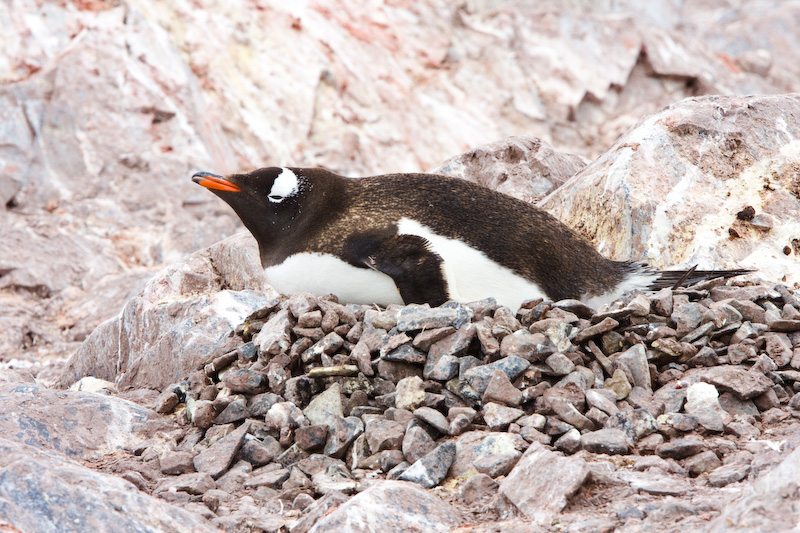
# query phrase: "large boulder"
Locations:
[[183, 318], [523, 167], [712, 181]]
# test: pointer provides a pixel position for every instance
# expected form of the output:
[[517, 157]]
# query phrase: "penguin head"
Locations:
[[268, 200]]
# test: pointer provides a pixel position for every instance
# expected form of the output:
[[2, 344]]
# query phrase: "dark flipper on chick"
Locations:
[[683, 278]]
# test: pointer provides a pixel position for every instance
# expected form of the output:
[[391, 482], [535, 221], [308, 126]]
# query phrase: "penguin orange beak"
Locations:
[[213, 181]]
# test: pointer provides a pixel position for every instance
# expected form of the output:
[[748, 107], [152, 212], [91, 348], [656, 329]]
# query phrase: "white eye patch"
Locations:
[[285, 185]]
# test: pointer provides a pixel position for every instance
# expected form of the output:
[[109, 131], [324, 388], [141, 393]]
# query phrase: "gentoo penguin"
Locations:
[[420, 238]]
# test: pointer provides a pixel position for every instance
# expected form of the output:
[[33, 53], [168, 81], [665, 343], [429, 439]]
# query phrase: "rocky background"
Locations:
[[671, 410]]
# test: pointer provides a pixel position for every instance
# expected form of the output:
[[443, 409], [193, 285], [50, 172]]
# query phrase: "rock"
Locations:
[[245, 381], [431, 468], [569, 442], [745, 385], [409, 393], [524, 167], [485, 448], [477, 488], [702, 402], [394, 505], [636, 424], [216, 459], [560, 364], [422, 317], [498, 416], [152, 340], [681, 235], [680, 448], [609, 441], [325, 408], [259, 452], [542, 482], [596, 399], [479, 376], [77, 425], [341, 433], [701, 463], [727, 474], [618, 384], [758, 507], [311, 438], [38, 489], [500, 389], [176, 462], [416, 444], [635, 359], [383, 435]]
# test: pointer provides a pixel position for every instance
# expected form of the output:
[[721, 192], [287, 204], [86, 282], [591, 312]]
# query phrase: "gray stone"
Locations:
[[727, 474], [434, 418], [569, 442], [597, 399], [383, 435], [245, 381], [618, 383], [560, 364], [477, 488], [216, 459], [432, 468], [416, 443], [498, 416], [744, 384], [406, 354], [702, 402], [701, 463], [484, 448], [341, 433], [609, 441], [680, 448], [422, 317], [325, 407], [635, 359], [479, 376], [635, 424], [176, 462]]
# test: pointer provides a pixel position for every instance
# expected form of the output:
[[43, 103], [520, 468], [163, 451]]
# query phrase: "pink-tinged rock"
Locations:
[[180, 320], [480, 447], [675, 203], [176, 462], [195, 483], [744, 384], [501, 389], [43, 492], [78, 425], [543, 481], [218, 457], [416, 443], [431, 469], [383, 435], [523, 167], [396, 506]]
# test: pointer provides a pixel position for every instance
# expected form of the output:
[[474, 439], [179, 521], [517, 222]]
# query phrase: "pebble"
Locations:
[[702, 402], [618, 383], [431, 469], [680, 448], [501, 389], [498, 416]]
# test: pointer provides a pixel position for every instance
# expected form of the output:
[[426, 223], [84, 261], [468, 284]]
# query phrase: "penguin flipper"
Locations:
[[408, 260]]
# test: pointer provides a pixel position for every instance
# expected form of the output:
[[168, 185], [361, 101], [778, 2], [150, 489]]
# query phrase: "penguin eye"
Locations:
[[286, 184]]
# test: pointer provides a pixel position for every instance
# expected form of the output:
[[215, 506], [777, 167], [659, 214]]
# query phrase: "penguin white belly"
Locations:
[[471, 275], [325, 274]]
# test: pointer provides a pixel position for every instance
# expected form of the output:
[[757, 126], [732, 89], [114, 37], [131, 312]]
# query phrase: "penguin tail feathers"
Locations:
[[674, 279]]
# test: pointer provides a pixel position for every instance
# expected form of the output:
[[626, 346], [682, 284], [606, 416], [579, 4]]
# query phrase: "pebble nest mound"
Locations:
[[321, 397]]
